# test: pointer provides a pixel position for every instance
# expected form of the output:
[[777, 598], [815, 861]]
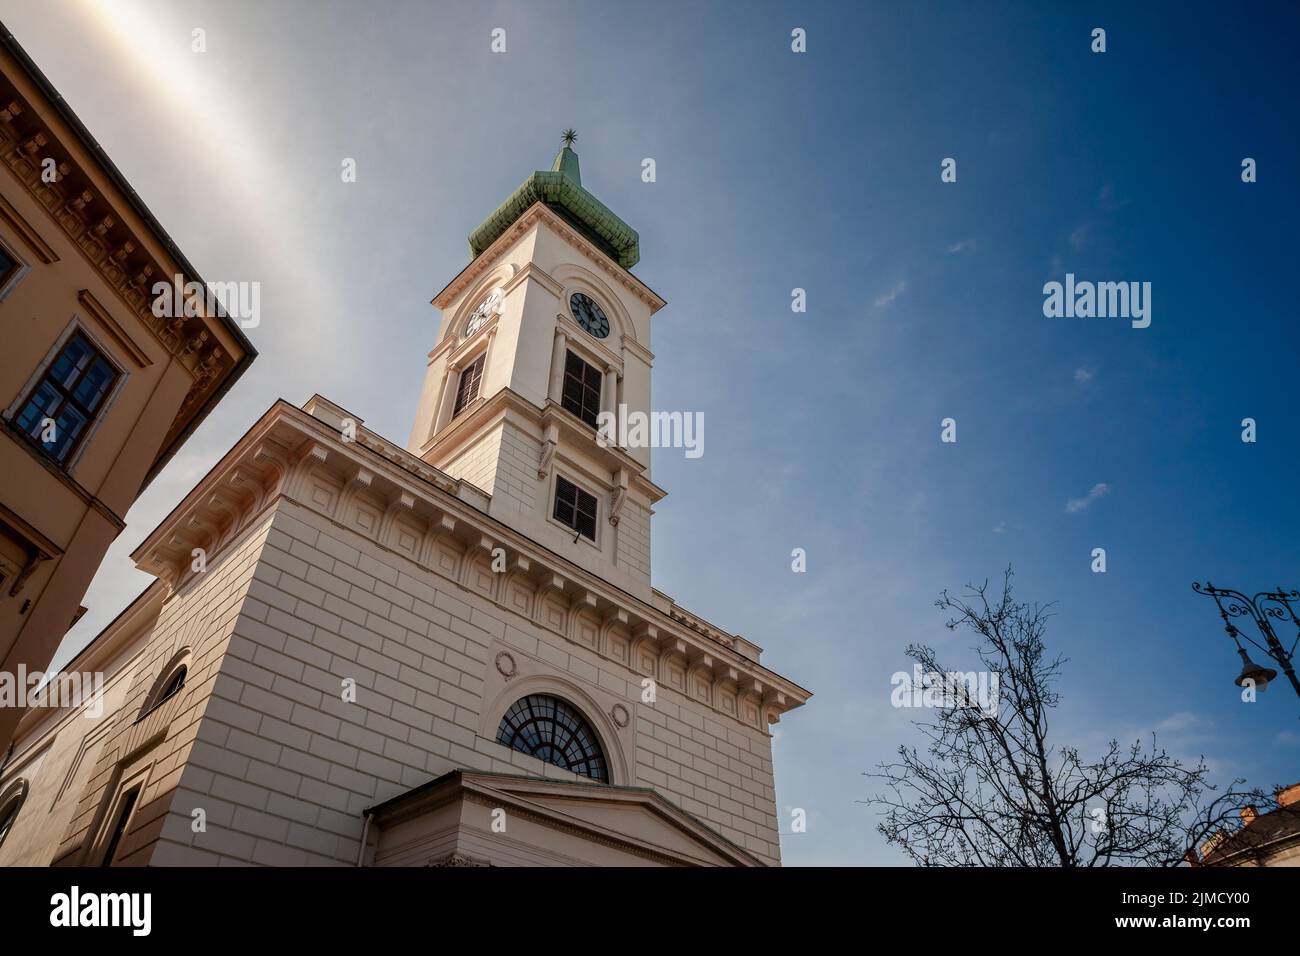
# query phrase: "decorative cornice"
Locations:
[[538, 213], [457, 859], [271, 455], [697, 625], [98, 231], [477, 416]]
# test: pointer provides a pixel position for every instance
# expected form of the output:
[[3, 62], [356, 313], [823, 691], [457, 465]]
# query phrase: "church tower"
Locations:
[[543, 330], [443, 654]]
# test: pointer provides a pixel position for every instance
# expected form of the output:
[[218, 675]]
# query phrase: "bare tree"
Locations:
[[990, 789]]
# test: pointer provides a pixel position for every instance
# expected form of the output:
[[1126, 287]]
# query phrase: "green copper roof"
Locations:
[[561, 190]]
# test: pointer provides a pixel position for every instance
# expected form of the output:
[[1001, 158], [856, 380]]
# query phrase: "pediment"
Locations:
[[551, 822], [636, 817]]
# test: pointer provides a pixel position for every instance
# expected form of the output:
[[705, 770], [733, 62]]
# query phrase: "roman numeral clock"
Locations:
[[588, 314]]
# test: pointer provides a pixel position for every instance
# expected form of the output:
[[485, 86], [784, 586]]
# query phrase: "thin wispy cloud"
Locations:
[[964, 245], [1099, 490], [886, 298], [1083, 374], [1108, 200], [1182, 721], [1079, 237]]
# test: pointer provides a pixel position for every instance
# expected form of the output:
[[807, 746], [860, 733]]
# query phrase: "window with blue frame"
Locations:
[[61, 408]]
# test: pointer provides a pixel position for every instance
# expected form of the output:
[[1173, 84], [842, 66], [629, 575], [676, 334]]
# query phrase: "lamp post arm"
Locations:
[[1285, 598], [1239, 606]]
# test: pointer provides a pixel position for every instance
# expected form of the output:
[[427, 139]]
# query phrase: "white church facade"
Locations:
[[448, 653]]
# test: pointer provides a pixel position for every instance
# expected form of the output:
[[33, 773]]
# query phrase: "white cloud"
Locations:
[[1078, 504], [886, 298], [1000, 528], [964, 245], [1183, 720], [1083, 374]]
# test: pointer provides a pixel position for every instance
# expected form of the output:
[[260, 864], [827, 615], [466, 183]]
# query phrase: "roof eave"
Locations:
[[560, 193]]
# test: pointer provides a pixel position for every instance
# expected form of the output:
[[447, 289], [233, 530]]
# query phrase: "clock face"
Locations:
[[489, 307], [588, 314]]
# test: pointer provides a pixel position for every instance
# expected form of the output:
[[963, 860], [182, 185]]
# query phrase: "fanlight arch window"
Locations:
[[173, 686], [167, 687], [11, 801], [553, 730]]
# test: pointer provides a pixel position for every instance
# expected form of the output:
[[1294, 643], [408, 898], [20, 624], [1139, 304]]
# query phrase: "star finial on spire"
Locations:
[[569, 136]]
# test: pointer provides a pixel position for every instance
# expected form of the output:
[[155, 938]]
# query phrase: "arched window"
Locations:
[[552, 730], [166, 688], [173, 686], [11, 801]]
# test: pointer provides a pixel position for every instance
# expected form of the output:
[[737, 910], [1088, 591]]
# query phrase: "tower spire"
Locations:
[[561, 189], [566, 161]]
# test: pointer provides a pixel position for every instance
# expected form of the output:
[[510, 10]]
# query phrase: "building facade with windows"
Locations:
[[96, 392], [448, 653]]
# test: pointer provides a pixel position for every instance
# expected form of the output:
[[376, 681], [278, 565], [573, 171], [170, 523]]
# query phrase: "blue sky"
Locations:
[[818, 171]]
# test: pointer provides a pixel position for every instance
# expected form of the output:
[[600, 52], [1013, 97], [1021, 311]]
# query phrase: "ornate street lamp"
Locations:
[[1264, 607]]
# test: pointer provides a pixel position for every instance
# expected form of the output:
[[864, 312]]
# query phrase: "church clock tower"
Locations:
[[347, 676], [543, 330]]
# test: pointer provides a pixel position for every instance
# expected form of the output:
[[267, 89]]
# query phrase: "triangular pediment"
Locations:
[[632, 815], [553, 822]]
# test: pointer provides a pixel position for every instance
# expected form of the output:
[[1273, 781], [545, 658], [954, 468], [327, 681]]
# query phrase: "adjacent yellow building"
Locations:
[[97, 391]]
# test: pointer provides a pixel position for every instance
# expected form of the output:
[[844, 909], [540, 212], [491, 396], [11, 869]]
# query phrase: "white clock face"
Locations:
[[489, 307]]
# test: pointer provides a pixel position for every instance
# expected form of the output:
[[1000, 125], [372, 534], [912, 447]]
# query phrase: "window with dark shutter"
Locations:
[[575, 508], [581, 394], [469, 383]]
